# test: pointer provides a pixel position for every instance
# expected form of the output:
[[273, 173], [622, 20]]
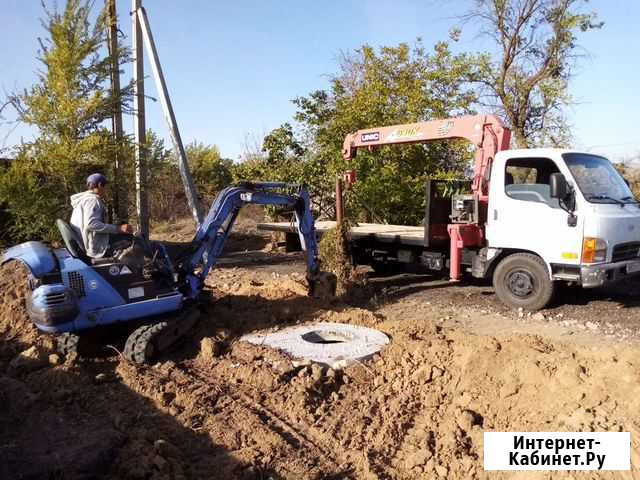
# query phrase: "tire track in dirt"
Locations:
[[213, 394], [292, 434]]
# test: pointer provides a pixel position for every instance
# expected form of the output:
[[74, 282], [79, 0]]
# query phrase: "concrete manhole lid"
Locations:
[[334, 344]]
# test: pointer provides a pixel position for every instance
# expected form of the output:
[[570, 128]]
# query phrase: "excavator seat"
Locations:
[[75, 245], [72, 240]]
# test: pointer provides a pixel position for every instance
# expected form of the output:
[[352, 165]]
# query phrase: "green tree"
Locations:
[[280, 159], [537, 49], [391, 85], [281, 144], [25, 197], [68, 106], [211, 173], [164, 189]]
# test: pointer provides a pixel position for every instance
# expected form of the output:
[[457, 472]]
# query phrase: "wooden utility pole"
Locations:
[[140, 133], [120, 195]]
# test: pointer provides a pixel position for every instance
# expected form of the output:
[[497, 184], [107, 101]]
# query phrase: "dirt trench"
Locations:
[[216, 407]]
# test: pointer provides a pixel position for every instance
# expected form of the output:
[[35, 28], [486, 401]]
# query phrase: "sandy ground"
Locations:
[[459, 364]]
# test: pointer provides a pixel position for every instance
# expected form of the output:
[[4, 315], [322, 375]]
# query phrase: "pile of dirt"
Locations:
[[419, 409], [219, 407], [70, 418], [15, 327]]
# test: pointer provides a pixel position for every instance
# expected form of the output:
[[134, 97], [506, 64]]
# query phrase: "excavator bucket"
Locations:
[[323, 285]]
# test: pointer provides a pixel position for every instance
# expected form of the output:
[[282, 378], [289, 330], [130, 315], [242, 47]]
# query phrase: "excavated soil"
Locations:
[[216, 407]]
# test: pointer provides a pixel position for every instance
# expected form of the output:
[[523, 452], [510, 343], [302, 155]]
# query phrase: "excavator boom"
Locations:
[[212, 234]]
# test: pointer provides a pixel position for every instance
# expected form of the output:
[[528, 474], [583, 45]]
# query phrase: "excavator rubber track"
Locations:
[[145, 343], [83, 344]]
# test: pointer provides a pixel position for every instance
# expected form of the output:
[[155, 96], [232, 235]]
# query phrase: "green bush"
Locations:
[[68, 106], [31, 202]]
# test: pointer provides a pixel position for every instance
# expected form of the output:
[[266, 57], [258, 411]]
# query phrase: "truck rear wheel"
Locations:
[[521, 280]]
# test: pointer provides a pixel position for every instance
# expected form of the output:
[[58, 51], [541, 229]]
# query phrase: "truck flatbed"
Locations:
[[399, 234]]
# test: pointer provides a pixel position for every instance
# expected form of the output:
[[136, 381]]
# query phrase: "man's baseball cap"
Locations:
[[96, 179]]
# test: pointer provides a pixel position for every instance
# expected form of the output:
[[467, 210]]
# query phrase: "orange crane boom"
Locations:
[[489, 135], [486, 132]]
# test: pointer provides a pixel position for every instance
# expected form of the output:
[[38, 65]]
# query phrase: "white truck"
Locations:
[[534, 217]]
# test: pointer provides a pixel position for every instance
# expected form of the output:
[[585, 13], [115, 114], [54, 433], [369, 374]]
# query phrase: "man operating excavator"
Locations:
[[101, 239]]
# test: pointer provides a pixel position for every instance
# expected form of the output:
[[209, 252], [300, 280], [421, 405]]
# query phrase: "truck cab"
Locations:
[[558, 215]]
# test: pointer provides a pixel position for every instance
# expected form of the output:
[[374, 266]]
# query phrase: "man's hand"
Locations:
[[125, 228]]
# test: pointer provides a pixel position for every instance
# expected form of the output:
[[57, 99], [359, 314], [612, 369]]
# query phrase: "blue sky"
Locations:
[[233, 67]]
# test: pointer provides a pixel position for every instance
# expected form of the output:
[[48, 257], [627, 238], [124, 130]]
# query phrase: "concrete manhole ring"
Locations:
[[334, 344]]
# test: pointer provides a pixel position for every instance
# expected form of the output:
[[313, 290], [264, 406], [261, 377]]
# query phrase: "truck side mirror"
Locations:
[[558, 186]]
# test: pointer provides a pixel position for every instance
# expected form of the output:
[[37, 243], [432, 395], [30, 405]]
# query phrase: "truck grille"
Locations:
[[76, 283], [626, 251]]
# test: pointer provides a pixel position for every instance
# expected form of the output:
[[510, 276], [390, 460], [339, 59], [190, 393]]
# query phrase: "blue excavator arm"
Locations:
[[212, 234]]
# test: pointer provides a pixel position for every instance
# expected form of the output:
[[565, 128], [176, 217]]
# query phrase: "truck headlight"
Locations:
[[594, 250]]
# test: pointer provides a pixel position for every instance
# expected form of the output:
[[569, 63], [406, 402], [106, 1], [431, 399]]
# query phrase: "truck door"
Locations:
[[522, 215]]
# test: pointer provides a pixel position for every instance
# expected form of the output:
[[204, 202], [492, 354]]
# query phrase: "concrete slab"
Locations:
[[333, 344]]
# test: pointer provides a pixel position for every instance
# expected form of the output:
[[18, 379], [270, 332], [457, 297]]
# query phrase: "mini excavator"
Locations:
[[72, 293]]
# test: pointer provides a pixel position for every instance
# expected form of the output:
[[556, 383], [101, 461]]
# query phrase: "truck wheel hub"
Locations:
[[520, 283]]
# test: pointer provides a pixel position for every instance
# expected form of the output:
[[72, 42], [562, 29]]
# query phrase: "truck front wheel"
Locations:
[[521, 280]]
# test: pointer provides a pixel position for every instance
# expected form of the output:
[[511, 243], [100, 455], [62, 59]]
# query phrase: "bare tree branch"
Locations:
[[528, 79]]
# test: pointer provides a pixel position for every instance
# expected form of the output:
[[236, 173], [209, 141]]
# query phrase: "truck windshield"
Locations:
[[597, 179]]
